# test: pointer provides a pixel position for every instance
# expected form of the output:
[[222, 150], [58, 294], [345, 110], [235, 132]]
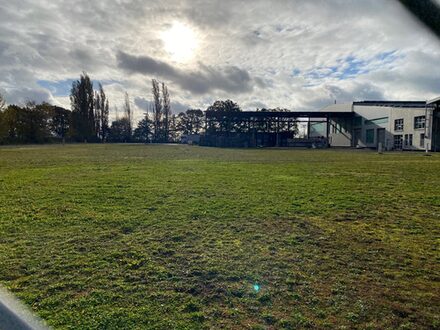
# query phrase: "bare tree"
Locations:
[[127, 112], [104, 109], [2, 102], [166, 111], [97, 109], [157, 111]]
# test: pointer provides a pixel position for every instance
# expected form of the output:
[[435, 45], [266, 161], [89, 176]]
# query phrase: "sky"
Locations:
[[300, 55]]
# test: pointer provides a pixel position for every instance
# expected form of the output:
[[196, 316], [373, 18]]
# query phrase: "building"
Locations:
[[396, 125]]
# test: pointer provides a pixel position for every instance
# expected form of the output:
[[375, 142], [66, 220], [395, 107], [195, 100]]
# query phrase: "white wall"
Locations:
[[392, 113], [370, 113], [408, 114]]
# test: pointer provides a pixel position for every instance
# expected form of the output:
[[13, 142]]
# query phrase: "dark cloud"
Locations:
[[229, 79]]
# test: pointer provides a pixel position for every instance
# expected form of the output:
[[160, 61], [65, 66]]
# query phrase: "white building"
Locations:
[[397, 125]]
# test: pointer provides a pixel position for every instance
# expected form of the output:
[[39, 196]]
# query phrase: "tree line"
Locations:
[[88, 119]]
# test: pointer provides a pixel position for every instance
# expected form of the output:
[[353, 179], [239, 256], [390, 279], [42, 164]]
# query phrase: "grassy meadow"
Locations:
[[182, 237]]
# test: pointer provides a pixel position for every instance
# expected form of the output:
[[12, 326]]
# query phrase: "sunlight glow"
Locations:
[[180, 42]]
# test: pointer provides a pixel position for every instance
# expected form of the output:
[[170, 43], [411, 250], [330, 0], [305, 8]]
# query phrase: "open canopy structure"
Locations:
[[394, 125], [267, 128]]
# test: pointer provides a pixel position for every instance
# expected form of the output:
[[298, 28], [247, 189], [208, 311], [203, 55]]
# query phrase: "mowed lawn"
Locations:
[[181, 237]]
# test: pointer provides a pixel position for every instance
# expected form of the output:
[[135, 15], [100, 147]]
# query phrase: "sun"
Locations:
[[180, 41]]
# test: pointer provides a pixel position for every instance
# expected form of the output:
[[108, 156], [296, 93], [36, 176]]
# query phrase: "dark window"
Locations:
[[397, 141], [398, 124], [422, 140], [408, 140], [419, 122], [370, 136]]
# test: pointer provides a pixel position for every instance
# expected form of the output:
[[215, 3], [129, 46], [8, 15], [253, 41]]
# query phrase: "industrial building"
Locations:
[[394, 125]]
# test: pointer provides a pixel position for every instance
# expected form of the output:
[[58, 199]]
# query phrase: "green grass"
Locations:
[[176, 237]]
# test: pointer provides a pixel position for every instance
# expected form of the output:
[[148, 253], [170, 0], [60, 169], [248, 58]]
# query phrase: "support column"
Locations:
[[308, 128], [328, 130]]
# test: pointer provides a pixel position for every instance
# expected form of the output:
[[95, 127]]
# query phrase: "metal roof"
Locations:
[[394, 104], [275, 114], [434, 101]]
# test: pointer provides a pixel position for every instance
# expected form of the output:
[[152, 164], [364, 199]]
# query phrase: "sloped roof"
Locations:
[[433, 101], [342, 107]]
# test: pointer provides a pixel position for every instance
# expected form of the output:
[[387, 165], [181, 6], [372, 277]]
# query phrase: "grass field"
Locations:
[[180, 237]]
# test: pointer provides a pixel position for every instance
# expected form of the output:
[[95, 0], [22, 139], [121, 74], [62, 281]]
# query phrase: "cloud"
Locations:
[[146, 105], [229, 79], [295, 54], [24, 95]]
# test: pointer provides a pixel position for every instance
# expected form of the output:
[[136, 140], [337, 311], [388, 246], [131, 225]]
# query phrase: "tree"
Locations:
[[104, 113], [25, 124], [195, 117], [166, 111], [97, 116], [101, 114], [183, 124], [2, 103], [190, 122], [35, 126], [227, 124], [3, 126], [120, 131], [226, 106], [157, 110], [144, 130], [82, 101], [58, 120], [173, 129], [128, 113]]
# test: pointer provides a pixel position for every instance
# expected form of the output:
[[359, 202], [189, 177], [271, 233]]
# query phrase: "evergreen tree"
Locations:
[[144, 130]]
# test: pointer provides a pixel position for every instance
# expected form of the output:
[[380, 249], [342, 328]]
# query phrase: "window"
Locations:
[[419, 122], [408, 140], [397, 141], [370, 136], [422, 140], [398, 124], [377, 121]]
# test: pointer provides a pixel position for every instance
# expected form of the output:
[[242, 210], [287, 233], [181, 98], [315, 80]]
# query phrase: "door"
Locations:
[[381, 137], [357, 137]]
